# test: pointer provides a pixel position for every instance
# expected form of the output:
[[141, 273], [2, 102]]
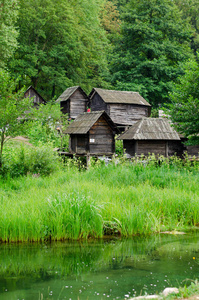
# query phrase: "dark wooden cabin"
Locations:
[[92, 133], [151, 135], [73, 101], [37, 98], [124, 108]]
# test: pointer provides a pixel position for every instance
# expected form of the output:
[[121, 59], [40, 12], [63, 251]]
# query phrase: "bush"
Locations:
[[119, 147], [34, 160], [39, 133], [43, 133]]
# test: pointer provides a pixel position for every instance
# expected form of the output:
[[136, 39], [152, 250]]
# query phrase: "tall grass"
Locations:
[[19, 160], [126, 198]]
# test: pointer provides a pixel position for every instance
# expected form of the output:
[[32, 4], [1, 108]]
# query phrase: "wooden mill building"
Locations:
[[92, 133], [37, 98], [124, 108], [151, 135], [73, 101]]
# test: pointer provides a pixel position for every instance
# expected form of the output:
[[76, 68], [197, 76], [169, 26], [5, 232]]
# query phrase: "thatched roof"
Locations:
[[83, 123], [69, 92], [120, 97], [150, 129]]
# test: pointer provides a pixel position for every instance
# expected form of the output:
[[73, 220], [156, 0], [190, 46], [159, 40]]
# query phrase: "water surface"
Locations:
[[102, 269]]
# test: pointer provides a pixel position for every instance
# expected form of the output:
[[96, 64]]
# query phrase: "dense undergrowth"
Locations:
[[123, 198]]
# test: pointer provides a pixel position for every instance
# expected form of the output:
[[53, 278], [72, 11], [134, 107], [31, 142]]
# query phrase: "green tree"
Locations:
[[151, 50], [48, 125], [8, 32], [19, 117], [110, 17], [190, 12], [12, 108], [61, 43], [184, 107]]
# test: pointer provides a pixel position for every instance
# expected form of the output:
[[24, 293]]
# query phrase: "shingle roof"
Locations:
[[83, 123], [125, 97], [150, 129], [68, 93]]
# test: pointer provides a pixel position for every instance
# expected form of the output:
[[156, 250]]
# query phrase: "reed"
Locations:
[[127, 198]]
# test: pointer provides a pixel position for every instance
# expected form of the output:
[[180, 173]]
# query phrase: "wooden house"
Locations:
[[93, 134], [73, 101], [37, 98], [151, 135], [124, 108]]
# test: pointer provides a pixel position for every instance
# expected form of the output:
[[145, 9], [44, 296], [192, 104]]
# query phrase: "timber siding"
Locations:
[[92, 133], [73, 101], [37, 98], [127, 114], [151, 135], [125, 108], [103, 136]]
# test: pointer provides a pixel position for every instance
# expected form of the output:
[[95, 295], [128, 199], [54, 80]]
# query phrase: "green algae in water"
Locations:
[[98, 269]]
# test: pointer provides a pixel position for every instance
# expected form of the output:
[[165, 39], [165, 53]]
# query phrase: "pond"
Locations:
[[98, 269]]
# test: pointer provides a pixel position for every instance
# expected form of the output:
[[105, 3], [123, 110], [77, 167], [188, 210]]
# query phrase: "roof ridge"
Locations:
[[117, 91]]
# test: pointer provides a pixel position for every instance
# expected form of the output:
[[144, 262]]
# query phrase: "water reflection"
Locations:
[[99, 269]]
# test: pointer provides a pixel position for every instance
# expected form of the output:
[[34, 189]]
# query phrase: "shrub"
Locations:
[[34, 160]]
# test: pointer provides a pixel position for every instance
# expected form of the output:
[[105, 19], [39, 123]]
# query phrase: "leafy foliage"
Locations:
[[60, 42], [122, 44], [184, 109], [190, 12], [154, 42], [12, 109], [110, 18], [8, 32], [20, 161], [48, 125], [18, 117]]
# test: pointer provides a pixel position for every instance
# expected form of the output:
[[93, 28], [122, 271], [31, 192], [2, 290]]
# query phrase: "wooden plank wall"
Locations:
[[31, 93], [156, 147], [127, 114], [79, 143], [103, 137], [164, 148], [97, 104], [78, 104]]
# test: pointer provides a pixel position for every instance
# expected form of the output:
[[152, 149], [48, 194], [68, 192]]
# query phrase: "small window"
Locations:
[[92, 140]]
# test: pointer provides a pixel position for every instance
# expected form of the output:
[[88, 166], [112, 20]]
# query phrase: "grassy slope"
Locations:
[[126, 198]]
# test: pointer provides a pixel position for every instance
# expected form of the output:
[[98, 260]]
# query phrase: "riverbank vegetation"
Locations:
[[124, 198]]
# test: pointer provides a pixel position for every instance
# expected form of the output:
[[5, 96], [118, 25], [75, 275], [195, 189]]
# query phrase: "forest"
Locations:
[[145, 46]]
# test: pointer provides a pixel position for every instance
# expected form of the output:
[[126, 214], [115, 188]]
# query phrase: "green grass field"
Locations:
[[124, 199]]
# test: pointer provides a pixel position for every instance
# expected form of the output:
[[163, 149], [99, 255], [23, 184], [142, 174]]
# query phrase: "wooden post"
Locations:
[[88, 161], [166, 149]]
